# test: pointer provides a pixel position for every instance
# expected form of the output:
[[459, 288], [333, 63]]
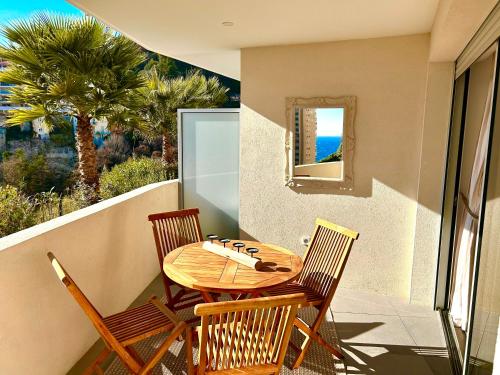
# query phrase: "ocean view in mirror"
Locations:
[[325, 146]]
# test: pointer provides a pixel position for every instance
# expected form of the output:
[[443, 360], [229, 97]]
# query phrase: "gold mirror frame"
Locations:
[[348, 142]]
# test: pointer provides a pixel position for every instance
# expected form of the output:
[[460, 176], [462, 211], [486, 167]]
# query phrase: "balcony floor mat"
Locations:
[[318, 360]]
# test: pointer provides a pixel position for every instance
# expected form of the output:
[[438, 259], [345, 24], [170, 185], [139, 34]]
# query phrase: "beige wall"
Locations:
[[109, 251], [326, 170], [455, 24], [389, 78], [438, 102]]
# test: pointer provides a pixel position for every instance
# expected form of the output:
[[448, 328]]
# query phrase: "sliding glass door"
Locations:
[[484, 340], [468, 210]]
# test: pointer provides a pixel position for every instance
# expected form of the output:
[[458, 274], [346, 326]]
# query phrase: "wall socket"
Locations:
[[304, 240]]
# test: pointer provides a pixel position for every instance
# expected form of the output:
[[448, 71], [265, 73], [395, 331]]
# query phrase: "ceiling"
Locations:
[[193, 30]]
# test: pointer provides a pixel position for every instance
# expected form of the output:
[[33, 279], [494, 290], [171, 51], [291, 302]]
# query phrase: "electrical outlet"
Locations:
[[304, 240]]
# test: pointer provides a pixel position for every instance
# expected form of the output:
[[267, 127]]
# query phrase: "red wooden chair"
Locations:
[[324, 262], [245, 337], [171, 230], [120, 331]]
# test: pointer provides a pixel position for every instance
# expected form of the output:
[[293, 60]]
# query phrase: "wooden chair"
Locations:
[[120, 331], [172, 230], [324, 262], [245, 337]]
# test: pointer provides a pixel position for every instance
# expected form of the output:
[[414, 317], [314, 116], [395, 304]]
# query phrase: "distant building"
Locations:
[[3, 139], [6, 105], [100, 126], [308, 129], [101, 130], [4, 96], [39, 129]]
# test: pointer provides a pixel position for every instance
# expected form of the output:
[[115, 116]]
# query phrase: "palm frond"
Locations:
[[68, 64], [22, 115], [160, 98]]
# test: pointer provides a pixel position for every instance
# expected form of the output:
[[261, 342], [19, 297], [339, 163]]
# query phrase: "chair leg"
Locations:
[[312, 333], [135, 355], [176, 332], [301, 355], [189, 351], [95, 367], [208, 297]]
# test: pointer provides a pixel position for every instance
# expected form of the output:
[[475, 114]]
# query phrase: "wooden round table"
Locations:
[[196, 268]]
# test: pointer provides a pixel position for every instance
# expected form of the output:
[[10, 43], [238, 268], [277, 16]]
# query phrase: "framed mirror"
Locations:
[[319, 143]]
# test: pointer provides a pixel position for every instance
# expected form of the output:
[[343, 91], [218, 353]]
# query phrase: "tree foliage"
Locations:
[[63, 65], [33, 173], [115, 150], [160, 99], [69, 66], [165, 66], [133, 174], [16, 211]]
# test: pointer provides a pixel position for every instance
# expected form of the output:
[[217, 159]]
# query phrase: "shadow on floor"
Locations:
[[376, 358], [361, 357]]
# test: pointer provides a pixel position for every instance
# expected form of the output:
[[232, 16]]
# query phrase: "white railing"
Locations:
[[109, 251]]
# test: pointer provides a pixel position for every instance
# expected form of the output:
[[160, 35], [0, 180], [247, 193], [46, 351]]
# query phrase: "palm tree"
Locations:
[[161, 97], [69, 67]]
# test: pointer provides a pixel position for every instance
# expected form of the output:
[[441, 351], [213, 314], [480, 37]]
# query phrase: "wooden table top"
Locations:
[[196, 268]]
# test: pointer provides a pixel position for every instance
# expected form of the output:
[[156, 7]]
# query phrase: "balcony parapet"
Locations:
[[109, 249]]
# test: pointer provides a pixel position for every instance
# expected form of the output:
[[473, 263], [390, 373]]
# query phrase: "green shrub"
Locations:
[[33, 174], [133, 174], [62, 135], [48, 206], [17, 211], [80, 196], [115, 150]]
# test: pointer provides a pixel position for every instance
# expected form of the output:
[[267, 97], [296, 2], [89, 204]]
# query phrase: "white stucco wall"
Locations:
[[109, 251], [438, 101], [389, 78]]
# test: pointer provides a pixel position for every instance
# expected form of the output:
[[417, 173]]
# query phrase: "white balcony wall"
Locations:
[[109, 251], [389, 77]]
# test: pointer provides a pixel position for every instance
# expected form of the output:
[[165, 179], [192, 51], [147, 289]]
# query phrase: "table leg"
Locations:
[[208, 297]]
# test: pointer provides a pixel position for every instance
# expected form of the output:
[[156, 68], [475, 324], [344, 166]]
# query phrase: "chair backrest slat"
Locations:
[[174, 229], [245, 334], [326, 257]]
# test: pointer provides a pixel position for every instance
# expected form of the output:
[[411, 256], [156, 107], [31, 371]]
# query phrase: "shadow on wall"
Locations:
[[374, 159], [388, 76]]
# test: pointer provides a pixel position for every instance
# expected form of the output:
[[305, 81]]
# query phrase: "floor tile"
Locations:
[[426, 332], [371, 329], [387, 363], [429, 338], [350, 301], [403, 308]]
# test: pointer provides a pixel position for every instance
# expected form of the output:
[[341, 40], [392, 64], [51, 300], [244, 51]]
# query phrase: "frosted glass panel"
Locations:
[[210, 169]]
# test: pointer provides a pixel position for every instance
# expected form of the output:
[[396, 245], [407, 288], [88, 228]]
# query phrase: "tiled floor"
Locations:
[[378, 335], [384, 335]]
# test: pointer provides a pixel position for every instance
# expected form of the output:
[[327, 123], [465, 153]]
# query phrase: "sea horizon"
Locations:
[[326, 146]]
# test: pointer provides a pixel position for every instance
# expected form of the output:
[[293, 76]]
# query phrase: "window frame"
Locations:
[[348, 103]]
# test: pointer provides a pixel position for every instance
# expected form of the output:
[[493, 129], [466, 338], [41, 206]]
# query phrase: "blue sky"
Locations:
[[329, 122], [11, 10]]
